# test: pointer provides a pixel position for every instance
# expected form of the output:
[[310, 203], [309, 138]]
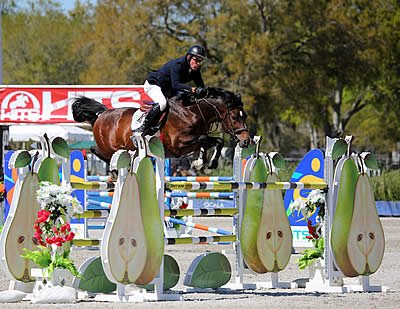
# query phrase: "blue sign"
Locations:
[[78, 175], [9, 183], [310, 169]]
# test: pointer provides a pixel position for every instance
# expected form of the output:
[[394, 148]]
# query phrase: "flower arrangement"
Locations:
[[315, 203], [52, 231]]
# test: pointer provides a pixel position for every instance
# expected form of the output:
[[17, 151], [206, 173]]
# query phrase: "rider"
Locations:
[[170, 79]]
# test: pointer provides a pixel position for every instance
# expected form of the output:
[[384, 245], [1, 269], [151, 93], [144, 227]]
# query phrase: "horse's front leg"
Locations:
[[218, 143], [202, 159]]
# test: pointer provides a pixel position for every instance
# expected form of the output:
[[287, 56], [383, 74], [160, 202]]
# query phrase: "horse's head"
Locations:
[[232, 114]]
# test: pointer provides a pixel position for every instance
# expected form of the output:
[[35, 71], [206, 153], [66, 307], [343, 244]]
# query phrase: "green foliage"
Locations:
[[43, 258], [387, 186], [286, 173], [310, 255], [62, 262], [302, 67]]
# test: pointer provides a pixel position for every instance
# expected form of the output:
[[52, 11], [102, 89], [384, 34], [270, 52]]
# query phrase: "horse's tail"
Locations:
[[86, 110]]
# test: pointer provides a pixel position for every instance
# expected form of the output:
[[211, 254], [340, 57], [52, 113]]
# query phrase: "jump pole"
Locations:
[[198, 226]]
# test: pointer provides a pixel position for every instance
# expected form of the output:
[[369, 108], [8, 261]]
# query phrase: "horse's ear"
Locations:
[[239, 100]]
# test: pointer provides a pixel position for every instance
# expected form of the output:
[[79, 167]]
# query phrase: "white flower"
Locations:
[[315, 203], [316, 197], [307, 207], [298, 205], [53, 197]]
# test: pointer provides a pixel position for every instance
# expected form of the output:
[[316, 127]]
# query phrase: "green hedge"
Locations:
[[387, 186]]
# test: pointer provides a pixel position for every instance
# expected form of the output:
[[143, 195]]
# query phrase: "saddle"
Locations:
[[140, 115]]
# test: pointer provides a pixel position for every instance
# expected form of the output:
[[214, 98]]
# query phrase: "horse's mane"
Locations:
[[232, 100], [229, 98]]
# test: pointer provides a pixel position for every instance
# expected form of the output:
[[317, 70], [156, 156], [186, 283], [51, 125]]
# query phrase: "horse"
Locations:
[[184, 129]]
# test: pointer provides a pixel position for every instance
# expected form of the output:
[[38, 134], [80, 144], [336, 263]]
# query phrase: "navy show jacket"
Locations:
[[173, 75]]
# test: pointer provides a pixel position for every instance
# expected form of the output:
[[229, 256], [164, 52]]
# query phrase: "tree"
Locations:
[[339, 50], [39, 46], [305, 69]]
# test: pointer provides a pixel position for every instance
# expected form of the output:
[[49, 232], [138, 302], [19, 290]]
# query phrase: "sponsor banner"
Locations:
[[204, 203], [52, 104], [299, 234]]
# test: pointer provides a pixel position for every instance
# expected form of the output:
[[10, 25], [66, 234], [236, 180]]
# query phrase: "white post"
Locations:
[[160, 174], [238, 202], [329, 208]]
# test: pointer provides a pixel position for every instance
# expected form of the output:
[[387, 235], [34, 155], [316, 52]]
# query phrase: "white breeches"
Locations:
[[155, 93]]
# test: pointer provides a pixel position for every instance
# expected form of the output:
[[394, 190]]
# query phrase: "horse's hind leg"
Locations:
[[113, 173], [95, 151]]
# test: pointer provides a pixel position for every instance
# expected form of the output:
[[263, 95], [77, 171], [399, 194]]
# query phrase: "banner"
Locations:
[[52, 104]]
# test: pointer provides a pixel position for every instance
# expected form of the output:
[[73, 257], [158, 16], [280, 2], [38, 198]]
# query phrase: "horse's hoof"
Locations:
[[213, 165], [206, 171], [197, 165], [114, 175]]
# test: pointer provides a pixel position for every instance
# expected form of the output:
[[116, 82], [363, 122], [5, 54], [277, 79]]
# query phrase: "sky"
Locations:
[[65, 4], [69, 4]]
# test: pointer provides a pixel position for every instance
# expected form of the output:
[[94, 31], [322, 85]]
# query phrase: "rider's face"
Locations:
[[195, 63]]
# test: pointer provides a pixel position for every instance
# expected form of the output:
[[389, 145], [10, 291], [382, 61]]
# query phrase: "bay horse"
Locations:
[[184, 129]]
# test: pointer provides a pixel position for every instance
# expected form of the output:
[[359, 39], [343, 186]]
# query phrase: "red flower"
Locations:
[[70, 236], [43, 215], [37, 228], [59, 241], [183, 206], [65, 227], [56, 240], [38, 237], [312, 230]]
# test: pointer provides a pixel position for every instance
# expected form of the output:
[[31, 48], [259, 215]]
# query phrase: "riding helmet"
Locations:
[[198, 51]]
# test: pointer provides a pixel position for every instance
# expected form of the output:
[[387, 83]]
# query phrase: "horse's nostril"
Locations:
[[244, 143]]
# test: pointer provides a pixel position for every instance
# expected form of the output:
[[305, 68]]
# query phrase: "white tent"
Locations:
[[72, 134]]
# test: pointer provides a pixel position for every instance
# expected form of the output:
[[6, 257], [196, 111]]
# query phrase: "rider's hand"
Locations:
[[201, 92]]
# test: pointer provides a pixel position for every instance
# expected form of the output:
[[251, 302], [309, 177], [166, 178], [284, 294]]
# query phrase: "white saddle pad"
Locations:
[[137, 119]]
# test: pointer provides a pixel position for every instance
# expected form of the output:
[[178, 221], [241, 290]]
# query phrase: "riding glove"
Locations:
[[201, 92]]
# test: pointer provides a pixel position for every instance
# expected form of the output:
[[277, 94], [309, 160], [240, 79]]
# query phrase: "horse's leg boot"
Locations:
[[151, 119]]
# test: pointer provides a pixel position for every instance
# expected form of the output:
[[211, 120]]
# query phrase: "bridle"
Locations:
[[232, 133]]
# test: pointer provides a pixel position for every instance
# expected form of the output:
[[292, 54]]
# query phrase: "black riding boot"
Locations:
[[152, 118]]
